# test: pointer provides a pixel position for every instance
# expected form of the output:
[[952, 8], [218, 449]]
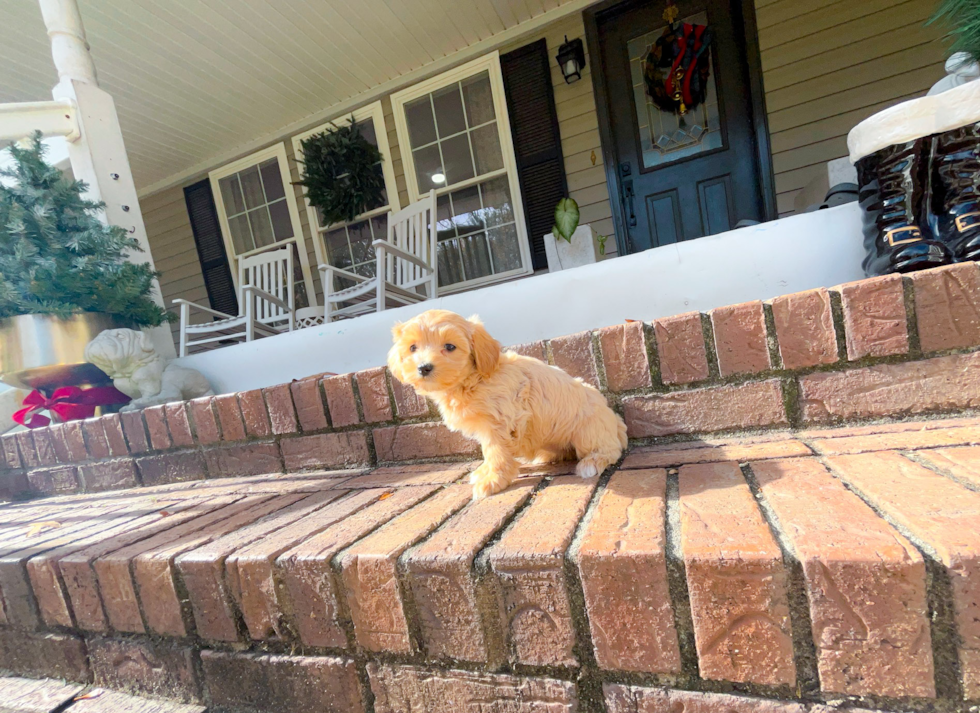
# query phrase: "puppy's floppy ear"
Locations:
[[395, 364], [394, 357], [486, 349]]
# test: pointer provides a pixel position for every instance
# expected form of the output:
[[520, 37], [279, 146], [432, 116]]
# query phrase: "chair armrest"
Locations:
[[343, 273], [385, 246], [195, 305], [262, 294]]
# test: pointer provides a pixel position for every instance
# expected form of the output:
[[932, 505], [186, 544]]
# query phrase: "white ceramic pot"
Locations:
[[563, 255]]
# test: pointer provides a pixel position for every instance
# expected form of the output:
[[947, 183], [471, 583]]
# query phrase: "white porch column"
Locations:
[[99, 156]]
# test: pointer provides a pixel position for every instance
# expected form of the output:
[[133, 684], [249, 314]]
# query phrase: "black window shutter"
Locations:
[[211, 247], [537, 140]]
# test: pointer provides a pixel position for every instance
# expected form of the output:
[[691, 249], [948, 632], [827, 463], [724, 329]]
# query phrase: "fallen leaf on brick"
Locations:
[[38, 527], [164, 513], [385, 496], [89, 695]]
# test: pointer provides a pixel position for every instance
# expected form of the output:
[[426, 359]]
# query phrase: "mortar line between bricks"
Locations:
[[911, 318], [801, 626], [600, 365], [677, 579], [589, 680], [915, 457], [940, 602], [344, 618], [837, 321], [489, 596]]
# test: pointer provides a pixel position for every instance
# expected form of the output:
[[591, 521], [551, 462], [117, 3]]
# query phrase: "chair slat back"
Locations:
[[271, 272], [413, 230]]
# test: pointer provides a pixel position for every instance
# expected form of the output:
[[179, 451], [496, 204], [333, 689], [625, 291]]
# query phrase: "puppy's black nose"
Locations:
[[426, 369]]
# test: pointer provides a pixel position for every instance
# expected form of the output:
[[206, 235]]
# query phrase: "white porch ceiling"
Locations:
[[198, 82]]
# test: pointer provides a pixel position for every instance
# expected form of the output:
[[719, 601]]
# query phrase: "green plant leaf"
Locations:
[[566, 219]]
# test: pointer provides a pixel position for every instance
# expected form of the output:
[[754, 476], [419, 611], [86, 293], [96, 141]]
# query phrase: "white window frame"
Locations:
[[488, 63], [376, 113], [277, 151]]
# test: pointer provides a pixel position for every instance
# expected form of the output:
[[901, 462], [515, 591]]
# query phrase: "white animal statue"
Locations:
[[960, 69], [134, 366]]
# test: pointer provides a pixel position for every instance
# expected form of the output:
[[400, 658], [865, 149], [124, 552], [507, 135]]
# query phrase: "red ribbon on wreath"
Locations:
[[70, 403]]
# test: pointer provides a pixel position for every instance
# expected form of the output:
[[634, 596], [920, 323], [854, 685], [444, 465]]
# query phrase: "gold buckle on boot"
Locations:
[[967, 220], [914, 232]]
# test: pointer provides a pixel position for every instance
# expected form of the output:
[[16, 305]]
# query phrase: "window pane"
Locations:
[[367, 131], [421, 128], [505, 248], [450, 263], [379, 227], [231, 194], [360, 242], [496, 201], [427, 164], [241, 234], [459, 162], [282, 226], [449, 111], [252, 187], [444, 227], [272, 180], [475, 255], [367, 269], [479, 99], [261, 227], [486, 149], [338, 252], [467, 210]]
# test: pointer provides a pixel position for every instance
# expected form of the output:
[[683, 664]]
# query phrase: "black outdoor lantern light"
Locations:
[[571, 59]]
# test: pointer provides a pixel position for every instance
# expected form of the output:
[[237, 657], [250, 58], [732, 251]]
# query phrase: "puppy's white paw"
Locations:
[[586, 469]]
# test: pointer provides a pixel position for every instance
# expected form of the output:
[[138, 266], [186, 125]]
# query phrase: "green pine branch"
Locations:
[[962, 18], [57, 257]]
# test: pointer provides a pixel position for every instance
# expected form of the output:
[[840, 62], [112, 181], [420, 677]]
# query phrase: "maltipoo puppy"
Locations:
[[514, 406]]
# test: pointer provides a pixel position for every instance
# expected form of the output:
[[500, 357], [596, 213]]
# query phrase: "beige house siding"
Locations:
[[826, 66], [168, 229], [829, 65]]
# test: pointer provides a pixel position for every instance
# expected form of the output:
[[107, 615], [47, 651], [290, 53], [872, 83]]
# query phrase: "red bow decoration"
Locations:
[[70, 403]]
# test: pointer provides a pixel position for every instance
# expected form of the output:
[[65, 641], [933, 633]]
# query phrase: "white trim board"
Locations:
[[337, 110], [801, 252]]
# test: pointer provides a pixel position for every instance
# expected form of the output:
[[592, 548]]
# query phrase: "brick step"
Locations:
[[809, 565], [890, 347]]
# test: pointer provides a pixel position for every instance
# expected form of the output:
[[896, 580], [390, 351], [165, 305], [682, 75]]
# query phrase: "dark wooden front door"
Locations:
[[677, 177]]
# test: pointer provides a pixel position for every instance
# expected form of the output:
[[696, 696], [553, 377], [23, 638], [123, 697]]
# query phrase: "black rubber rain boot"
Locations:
[[894, 192], [956, 182]]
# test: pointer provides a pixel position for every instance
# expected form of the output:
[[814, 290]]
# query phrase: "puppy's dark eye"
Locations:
[[450, 347], [412, 348]]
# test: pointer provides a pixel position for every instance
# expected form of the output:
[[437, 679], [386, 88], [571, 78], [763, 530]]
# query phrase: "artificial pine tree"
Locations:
[[962, 17], [57, 257]]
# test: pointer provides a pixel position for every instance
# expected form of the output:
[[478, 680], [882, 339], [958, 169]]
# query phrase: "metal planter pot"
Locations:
[[39, 351]]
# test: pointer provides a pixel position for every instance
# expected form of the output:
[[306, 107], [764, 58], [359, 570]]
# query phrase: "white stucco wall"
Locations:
[[797, 253]]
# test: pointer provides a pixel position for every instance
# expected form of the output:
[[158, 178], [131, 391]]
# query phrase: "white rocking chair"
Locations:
[[406, 263], [266, 303]]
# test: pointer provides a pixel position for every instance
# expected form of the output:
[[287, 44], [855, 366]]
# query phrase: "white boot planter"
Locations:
[[582, 249], [569, 244]]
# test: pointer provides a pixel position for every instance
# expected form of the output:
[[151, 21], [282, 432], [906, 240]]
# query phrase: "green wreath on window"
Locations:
[[342, 175]]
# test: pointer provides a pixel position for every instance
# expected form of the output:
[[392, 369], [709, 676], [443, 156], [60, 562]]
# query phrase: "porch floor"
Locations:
[[812, 565]]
